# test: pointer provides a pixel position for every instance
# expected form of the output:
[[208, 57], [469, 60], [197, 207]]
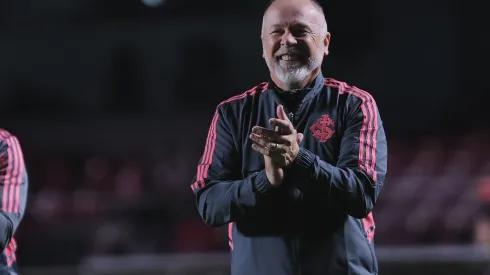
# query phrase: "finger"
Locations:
[[265, 142], [270, 136], [300, 138], [264, 151], [271, 147], [268, 133], [284, 125], [280, 130], [281, 114], [277, 155], [260, 140]]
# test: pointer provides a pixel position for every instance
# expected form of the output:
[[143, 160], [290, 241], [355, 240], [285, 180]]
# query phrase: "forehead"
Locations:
[[293, 12]]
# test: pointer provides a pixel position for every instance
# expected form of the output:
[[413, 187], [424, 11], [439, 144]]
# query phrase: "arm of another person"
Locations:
[[13, 185], [354, 184], [222, 193]]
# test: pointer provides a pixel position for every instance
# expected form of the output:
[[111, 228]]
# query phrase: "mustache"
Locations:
[[283, 51]]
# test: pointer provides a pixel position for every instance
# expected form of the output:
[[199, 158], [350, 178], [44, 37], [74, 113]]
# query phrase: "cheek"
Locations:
[[273, 46], [314, 47], [268, 50], [312, 43]]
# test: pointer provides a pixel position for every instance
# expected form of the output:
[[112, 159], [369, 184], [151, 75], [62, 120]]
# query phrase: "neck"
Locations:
[[296, 85]]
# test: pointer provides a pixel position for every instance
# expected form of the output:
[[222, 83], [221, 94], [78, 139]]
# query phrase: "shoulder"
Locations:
[[7, 140], [6, 137], [353, 93], [239, 99]]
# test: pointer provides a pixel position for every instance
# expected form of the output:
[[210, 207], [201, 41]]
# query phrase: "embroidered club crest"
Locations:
[[323, 128]]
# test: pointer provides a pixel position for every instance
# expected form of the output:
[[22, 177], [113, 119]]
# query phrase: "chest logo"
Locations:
[[323, 128]]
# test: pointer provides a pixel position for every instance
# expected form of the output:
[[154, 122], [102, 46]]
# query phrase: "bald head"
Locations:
[[275, 4], [313, 2]]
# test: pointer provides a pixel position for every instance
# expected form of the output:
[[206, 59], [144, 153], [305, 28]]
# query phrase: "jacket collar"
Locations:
[[306, 93]]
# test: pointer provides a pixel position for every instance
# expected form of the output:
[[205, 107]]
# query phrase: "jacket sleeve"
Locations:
[[13, 184], [354, 183], [223, 195]]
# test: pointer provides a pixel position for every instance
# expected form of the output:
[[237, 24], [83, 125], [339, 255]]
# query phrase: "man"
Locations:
[[13, 182], [295, 166]]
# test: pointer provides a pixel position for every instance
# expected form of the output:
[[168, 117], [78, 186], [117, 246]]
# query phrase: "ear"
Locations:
[[326, 42]]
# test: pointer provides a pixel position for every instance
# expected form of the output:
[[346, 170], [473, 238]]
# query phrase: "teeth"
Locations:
[[286, 57]]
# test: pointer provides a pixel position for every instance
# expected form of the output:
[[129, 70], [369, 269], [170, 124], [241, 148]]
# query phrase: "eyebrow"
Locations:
[[295, 23], [275, 26]]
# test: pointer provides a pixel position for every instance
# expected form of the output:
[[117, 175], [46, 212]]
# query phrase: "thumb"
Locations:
[[300, 138], [281, 114]]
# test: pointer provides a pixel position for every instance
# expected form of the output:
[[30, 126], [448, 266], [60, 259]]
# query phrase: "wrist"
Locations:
[[262, 183], [274, 175]]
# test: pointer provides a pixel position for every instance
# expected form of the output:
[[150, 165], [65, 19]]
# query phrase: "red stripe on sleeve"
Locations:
[[230, 235], [6, 157], [368, 133], [7, 179], [13, 173], [371, 134], [18, 179], [367, 140], [207, 157], [208, 151]]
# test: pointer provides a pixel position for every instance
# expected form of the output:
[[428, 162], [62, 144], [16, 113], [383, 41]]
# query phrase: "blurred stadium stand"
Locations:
[[94, 203]]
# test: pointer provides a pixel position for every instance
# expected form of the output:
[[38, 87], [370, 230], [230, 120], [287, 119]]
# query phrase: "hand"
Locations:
[[282, 144]]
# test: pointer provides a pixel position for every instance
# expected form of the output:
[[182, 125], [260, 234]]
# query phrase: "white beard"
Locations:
[[295, 74]]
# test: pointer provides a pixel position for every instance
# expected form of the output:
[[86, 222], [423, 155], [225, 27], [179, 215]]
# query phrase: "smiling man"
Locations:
[[295, 165]]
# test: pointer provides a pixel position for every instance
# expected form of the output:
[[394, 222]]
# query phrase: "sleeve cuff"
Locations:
[[262, 184], [304, 159]]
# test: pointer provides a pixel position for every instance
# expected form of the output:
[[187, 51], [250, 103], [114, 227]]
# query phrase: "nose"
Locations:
[[288, 39]]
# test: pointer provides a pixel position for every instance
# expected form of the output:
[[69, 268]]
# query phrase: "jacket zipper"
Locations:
[[291, 118], [296, 265]]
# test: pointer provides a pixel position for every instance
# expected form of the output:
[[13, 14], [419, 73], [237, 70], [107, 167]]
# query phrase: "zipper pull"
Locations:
[[291, 117]]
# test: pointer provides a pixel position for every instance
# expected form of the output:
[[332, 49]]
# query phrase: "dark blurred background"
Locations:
[[111, 101]]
